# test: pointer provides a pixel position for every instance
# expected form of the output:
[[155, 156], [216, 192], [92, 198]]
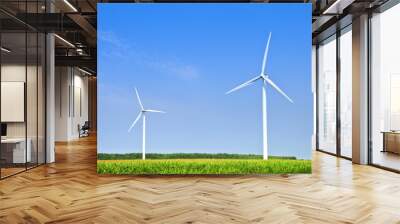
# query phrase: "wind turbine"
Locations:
[[263, 76], [142, 114]]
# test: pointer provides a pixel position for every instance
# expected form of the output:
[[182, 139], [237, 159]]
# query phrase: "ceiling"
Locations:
[[75, 22]]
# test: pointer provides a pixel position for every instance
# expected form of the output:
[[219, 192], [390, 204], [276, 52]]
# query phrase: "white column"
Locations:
[[50, 99], [50, 92], [360, 90]]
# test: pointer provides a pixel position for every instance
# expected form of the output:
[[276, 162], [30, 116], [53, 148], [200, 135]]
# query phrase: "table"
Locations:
[[391, 141]]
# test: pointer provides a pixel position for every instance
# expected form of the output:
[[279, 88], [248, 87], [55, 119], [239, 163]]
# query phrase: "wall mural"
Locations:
[[204, 89]]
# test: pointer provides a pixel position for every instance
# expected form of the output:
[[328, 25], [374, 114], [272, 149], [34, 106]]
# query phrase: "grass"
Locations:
[[203, 166], [128, 156]]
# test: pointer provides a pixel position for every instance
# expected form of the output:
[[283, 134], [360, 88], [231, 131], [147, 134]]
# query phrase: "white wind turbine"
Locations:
[[142, 114], [265, 79]]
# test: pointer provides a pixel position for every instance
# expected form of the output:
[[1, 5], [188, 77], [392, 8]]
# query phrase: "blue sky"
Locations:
[[184, 57]]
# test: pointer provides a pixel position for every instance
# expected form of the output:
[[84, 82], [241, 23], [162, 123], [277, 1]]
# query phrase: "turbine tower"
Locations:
[[263, 76], [142, 114]]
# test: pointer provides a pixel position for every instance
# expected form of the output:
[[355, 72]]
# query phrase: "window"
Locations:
[[346, 92], [385, 89], [327, 95], [22, 101]]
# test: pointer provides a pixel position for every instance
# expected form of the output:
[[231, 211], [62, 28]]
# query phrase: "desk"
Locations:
[[391, 141], [18, 150]]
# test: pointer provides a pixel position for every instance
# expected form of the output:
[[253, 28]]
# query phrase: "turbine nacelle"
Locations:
[[153, 111]]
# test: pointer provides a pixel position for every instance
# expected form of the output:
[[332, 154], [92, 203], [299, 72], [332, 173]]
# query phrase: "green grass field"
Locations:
[[203, 166], [127, 156]]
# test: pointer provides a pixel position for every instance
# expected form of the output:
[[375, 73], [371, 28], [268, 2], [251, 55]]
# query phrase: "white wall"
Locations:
[[71, 94], [33, 127], [17, 72], [81, 85], [62, 82]]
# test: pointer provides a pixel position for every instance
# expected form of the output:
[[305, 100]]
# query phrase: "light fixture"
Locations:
[[79, 50], [70, 5], [64, 40], [5, 50], [337, 7], [84, 71]]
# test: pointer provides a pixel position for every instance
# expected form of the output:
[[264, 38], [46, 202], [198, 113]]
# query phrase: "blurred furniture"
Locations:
[[13, 150], [391, 141], [84, 130]]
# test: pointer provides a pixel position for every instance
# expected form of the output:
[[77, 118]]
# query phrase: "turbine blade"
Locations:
[[138, 97], [265, 55], [156, 111], [134, 122], [278, 89], [251, 81]]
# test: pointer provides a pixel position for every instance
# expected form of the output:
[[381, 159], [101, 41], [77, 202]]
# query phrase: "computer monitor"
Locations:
[[3, 129]]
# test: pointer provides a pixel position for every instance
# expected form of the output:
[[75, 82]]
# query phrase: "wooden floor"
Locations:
[[5, 172], [70, 191]]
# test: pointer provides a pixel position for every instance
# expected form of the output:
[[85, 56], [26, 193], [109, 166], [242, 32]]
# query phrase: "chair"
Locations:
[[84, 130]]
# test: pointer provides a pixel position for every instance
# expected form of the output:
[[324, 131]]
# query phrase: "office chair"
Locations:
[[84, 130]]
